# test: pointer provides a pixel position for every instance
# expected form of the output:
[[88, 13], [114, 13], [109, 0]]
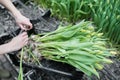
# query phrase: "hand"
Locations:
[[23, 22], [15, 44], [18, 42]]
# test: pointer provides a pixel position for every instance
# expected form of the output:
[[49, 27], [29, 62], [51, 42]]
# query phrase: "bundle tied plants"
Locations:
[[77, 45]]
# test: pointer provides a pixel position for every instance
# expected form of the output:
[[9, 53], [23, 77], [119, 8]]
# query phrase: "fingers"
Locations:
[[28, 25], [26, 41], [25, 37], [23, 22], [25, 25], [24, 34], [22, 27]]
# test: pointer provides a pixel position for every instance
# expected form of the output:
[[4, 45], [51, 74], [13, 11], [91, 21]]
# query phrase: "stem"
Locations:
[[20, 77], [34, 57]]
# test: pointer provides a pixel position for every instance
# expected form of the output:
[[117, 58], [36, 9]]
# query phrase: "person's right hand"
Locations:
[[19, 41], [23, 22]]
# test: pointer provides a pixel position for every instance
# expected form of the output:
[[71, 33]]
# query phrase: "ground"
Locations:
[[7, 23]]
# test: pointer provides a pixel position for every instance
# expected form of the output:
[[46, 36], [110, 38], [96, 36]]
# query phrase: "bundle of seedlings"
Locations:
[[78, 45]]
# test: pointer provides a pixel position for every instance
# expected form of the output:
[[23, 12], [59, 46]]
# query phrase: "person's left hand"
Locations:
[[23, 22]]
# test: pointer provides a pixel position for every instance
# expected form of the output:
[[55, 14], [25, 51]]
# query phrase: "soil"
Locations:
[[7, 24]]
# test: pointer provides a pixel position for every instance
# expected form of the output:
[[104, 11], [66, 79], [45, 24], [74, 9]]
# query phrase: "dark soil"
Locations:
[[7, 24]]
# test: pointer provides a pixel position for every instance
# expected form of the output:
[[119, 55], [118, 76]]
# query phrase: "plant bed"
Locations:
[[46, 75], [51, 76]]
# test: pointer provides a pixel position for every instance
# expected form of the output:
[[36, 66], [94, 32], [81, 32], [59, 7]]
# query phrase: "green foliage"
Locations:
[[104, 13], [69, 10], [106, 16], [43, 3], [78, 45]]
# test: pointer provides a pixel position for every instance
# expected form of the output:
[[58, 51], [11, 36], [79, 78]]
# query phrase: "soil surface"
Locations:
[[7, 24]]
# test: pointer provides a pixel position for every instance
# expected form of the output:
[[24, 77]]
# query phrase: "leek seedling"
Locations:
[[78, 45], [20, 76]]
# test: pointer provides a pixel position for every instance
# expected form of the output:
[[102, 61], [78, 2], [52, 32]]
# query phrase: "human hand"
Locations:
[[23, 22], [18, 42]]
